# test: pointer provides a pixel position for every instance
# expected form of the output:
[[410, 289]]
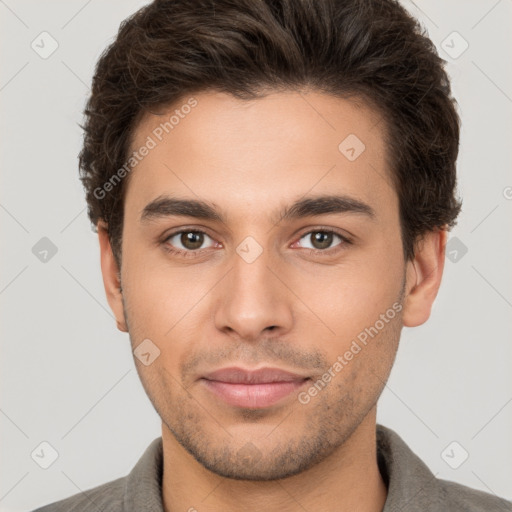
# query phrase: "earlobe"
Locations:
[[423, 278], [111, 277]]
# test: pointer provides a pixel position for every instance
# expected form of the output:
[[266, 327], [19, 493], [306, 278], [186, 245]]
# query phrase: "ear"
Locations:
[[111, 277], [423, 278]]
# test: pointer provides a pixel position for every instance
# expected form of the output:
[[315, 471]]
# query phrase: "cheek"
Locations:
[[367, 356], [157, 293], [360, 306], [351, 296]]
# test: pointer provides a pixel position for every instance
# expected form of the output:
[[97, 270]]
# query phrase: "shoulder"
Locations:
[[413, 487], [139, 490], [459, 497], [107, 497]]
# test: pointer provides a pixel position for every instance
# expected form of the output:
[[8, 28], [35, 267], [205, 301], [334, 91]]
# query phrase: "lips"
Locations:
[[252, 388], [263, 375]]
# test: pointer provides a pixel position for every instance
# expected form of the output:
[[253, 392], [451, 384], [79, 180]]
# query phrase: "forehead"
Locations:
[[261, 153]]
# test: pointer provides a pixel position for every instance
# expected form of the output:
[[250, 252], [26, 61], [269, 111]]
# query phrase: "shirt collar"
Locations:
[[411, 485], [143, 486]]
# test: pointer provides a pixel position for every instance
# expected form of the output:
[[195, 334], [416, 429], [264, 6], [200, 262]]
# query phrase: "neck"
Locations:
[[349, 479]]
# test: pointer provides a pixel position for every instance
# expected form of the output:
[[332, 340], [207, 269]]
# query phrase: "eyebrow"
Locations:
[[166, 206]]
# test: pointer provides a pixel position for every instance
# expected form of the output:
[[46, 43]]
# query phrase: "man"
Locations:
[[272, 184]]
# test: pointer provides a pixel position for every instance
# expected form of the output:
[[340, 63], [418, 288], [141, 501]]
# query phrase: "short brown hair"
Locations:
[[370, 49]]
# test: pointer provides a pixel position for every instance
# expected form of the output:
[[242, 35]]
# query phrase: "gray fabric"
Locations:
[[411, 486]]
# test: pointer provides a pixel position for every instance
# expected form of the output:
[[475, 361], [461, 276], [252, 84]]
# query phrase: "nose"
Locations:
[[252, 301]]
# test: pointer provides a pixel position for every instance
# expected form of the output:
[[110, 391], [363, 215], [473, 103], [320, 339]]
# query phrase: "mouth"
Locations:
[[254, 389]]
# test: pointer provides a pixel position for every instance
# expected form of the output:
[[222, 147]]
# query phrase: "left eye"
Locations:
[[321, 239]]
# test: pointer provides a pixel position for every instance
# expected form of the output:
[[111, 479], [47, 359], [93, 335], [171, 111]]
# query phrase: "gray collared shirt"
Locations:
[[411, 486]]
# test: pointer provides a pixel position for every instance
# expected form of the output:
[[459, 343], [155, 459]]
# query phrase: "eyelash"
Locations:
[[197, 252]]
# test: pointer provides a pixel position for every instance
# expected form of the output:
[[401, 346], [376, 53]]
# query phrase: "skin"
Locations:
[[289, 308]]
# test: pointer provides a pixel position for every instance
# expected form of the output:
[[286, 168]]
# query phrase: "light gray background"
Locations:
[[68, 377]]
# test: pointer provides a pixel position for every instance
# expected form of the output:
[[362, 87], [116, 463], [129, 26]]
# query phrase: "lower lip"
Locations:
[[255, 396]]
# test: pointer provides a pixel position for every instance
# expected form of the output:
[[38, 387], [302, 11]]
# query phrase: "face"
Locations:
[[256, 235]]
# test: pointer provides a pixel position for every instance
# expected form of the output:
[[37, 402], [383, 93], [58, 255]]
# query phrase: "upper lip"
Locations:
[[262, 375]]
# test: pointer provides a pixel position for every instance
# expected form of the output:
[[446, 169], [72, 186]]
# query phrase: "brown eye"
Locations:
[[192, 240], [320, 240], [186, 241]]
